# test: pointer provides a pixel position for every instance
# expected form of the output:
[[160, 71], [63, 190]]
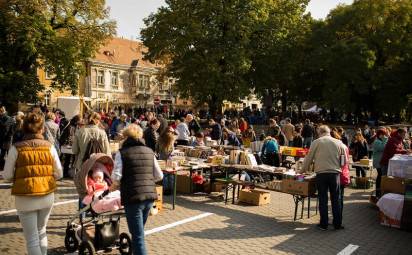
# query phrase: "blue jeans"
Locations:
[[168, 181], [136, 215], [307, 141], [329, 182]]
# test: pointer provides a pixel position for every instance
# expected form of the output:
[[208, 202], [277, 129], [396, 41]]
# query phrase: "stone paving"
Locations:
[[231, 229]]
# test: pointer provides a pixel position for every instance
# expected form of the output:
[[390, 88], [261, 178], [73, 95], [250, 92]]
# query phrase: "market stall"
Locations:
[[226, 164], [395, 206]]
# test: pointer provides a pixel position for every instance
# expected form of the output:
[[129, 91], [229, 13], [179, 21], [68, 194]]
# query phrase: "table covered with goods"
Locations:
[[224, 168]]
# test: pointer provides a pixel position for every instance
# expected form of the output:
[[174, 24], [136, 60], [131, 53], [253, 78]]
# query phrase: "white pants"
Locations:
[[34, 229]]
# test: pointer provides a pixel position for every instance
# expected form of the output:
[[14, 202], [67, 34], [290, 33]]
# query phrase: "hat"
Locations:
[[98, 169]]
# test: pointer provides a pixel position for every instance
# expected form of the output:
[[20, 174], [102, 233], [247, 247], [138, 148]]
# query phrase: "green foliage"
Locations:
[[207, 45], [280, 51], [57, 35], [366, 52]]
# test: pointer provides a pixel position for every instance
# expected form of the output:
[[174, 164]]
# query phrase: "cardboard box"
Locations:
[[362, 183], [254, 197], [391, 184], [305, 188], [216, 187], [275, 185], [159, 191], [183, 184], [159, 205]]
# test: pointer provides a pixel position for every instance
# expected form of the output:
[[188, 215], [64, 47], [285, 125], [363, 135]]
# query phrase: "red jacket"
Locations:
[[392, 147]]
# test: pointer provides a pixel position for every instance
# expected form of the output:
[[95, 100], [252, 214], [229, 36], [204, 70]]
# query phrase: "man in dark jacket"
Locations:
[[307, 133], [194, 126], [215, 130], [6, 133], [392, 147], [150, 135]]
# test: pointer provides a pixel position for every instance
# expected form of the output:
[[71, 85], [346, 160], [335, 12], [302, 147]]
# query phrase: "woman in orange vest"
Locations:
[[33, 166]]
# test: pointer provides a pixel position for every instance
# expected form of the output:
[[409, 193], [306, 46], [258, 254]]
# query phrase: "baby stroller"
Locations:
[[88, 231]]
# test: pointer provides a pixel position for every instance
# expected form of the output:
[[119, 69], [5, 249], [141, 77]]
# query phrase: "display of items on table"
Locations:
[[298, 184], [256, 146], [365, 162], [293, 151], [197, 152], [400, 166]]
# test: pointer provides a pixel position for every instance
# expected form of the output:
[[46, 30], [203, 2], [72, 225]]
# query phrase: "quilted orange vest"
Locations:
[[34, 169]]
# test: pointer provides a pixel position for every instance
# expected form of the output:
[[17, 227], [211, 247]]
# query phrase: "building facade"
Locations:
[[49, 95], [118, 76]]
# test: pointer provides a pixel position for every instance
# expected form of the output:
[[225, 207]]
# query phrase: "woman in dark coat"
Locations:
[[359, 150], [135, 172]]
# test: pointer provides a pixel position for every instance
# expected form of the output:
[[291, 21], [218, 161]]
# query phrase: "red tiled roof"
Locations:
[[123, 52]]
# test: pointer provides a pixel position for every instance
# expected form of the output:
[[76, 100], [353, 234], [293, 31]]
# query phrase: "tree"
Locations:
[[57, 35], [366, 49], [280, 45], [207, 46]]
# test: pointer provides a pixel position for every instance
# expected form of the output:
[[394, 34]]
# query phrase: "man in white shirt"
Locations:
[[182, 129]]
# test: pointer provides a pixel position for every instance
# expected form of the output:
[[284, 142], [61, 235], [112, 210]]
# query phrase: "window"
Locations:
[[143, 82], [166, 85], [100, 78], [115, 80], [47, 98]]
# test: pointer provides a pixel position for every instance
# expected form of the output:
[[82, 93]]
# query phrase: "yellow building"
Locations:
[[49, 95]]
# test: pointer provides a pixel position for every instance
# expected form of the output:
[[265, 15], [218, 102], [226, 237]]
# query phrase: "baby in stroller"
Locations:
[[96, 185]]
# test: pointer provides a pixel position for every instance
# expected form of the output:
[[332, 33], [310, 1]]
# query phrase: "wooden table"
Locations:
[[297, 198]]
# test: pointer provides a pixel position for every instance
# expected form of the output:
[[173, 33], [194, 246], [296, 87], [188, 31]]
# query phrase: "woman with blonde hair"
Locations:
[[359, 150], [33, 166], [135, 172], [164, 149]]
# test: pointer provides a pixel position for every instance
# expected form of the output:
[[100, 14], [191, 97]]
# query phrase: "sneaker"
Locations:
[[320, 227], [339, 227]]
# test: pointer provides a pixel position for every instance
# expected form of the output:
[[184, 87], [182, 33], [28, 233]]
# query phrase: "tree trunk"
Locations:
[[215, 106], [284, 100]]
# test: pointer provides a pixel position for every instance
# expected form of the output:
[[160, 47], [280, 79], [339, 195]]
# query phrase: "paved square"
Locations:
[[231, 229]]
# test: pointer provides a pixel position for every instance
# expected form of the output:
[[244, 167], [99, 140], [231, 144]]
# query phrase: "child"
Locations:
[[96, 185], [199, 140]]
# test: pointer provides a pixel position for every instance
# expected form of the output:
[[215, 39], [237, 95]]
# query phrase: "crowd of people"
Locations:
[[32, 143]]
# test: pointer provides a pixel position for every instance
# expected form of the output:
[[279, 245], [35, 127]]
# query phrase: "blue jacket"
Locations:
[[232, 140], [378, 147], [270, 146]]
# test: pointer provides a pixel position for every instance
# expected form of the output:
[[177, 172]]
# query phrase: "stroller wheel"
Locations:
[[70, 241], [125, 244], [86, 248]]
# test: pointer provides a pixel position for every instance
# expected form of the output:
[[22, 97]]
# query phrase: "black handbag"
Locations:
[[107, 233]]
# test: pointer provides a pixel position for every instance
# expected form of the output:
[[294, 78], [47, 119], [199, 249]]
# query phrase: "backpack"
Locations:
[[93, 146]]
